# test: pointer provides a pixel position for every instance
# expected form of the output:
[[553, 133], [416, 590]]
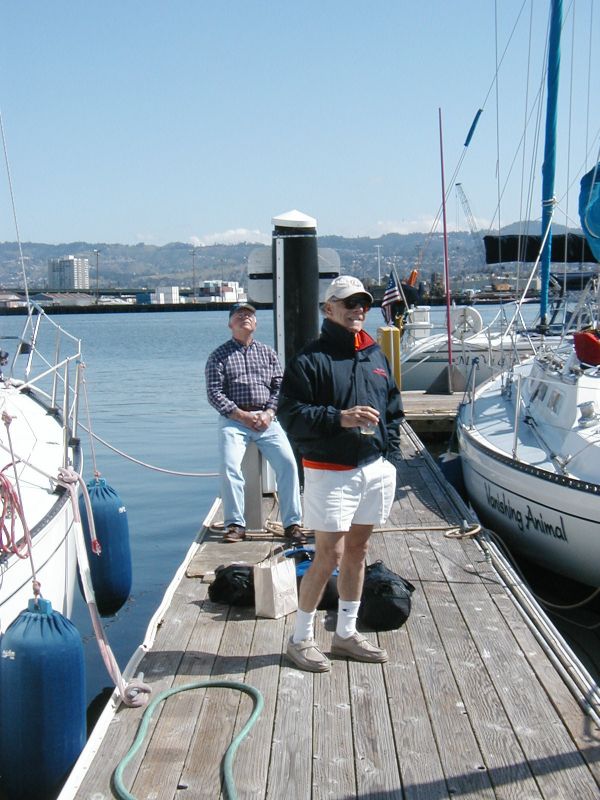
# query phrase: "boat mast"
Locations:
[[446, 265], [549, 166]]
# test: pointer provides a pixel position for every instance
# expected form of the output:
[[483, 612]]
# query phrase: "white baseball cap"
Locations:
[[345, 286]]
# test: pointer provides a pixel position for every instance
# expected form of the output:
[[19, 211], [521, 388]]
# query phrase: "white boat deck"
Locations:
[[493, 411]]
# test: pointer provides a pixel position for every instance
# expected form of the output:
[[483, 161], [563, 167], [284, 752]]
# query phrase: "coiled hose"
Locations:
[[229, 784]]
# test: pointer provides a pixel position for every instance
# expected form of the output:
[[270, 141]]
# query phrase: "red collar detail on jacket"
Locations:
[[362, 340]]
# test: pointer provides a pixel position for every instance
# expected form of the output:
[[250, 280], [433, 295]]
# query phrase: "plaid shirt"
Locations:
[[243, 377]]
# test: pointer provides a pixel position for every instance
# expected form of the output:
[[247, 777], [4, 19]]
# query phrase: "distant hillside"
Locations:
[[146, 266]]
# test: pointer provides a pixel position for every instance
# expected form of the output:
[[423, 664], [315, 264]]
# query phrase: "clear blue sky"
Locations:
[[144, 121]]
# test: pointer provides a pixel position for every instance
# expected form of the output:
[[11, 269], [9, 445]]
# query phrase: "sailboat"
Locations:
[[479, 351], [38, 404], [530, 439], [43, 549], [425, 355]]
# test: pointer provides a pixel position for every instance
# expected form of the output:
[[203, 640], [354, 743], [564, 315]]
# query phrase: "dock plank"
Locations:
[[504, 758], [291, 749], [215, 724], [160, 775], [461, 757], [584, 732], [264, 664], [549, 748], [469, 704], [377, 773], [159, 668], [334, 772]]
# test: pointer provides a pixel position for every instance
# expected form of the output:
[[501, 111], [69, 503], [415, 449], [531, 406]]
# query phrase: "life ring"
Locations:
[[465, 321]]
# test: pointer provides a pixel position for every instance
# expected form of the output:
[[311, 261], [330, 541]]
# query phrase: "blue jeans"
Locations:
[[275, 447]]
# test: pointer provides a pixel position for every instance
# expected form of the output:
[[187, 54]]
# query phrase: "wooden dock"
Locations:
[[472, 703], [431, 414]]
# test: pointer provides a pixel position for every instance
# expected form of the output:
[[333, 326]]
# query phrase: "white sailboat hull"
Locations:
[[425, 358], [33, 447], [552, 521], [55, 563], [530, 452]]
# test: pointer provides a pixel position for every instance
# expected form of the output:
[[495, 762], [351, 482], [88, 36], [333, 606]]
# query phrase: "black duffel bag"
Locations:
[[385, 602], [233, 585]]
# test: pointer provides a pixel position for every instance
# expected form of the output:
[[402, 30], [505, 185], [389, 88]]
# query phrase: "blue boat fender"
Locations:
[[111, 570], [42, 702]]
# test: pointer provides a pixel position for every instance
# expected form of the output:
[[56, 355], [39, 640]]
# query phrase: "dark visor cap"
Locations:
[[241, 307]]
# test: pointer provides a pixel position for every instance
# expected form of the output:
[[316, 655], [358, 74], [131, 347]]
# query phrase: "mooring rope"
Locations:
[[141, 463], [135, 693]]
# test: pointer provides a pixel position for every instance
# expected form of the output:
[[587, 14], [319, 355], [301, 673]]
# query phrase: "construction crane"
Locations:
[[471, 223]]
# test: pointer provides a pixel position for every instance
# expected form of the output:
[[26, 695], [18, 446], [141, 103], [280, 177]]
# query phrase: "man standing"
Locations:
[[243, 377], [341, 408]]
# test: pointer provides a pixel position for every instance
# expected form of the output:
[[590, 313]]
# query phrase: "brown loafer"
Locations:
[[295, 535], [234, 533], [358, 648], [306, 655]]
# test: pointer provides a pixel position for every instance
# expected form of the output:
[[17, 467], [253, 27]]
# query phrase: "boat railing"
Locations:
[[515, 385], [51, 371], [516, 418]]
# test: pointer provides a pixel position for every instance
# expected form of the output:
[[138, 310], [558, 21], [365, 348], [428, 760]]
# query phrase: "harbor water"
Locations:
[[144, 382]]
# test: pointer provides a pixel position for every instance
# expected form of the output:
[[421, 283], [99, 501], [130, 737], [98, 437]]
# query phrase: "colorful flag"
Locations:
[[390, 296]]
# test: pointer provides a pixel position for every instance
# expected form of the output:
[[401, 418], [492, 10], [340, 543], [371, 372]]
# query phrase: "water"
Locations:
[[145, 385]]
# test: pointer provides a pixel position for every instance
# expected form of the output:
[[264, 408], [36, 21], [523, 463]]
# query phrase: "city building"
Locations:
[[165, 295], [222, 292], [66, 274]]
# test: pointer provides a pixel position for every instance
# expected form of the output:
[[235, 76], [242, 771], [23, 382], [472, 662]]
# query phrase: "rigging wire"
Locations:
[[589, 81], [452, 180], [14, 210]]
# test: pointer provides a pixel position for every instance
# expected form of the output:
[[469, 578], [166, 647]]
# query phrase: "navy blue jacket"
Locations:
[[329, 375]]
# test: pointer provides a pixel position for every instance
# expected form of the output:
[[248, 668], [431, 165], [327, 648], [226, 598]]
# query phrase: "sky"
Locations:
[[143, 121]]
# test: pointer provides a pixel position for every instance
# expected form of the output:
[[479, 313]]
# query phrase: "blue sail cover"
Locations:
[[549, 165], [589, 209]]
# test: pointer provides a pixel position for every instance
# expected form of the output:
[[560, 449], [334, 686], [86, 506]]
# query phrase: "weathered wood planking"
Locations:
[[469, 703]]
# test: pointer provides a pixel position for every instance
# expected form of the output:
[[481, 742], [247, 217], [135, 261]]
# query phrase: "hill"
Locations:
[[144, 266]]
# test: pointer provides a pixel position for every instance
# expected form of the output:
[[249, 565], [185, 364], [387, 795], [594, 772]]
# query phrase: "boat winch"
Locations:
[[589, 414]]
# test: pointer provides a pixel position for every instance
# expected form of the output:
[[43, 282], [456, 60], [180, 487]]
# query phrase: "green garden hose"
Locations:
[[231, 750]]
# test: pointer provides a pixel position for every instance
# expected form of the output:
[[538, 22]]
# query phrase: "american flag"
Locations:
[[390, 296]]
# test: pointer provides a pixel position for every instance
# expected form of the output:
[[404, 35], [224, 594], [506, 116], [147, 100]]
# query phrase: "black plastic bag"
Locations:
[[385, 602], [233, 585]]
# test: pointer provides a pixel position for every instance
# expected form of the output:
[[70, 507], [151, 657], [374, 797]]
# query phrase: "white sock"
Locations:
[[347, 616], [305, 623]]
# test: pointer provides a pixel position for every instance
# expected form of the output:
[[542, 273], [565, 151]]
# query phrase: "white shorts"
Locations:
[[335, 499]]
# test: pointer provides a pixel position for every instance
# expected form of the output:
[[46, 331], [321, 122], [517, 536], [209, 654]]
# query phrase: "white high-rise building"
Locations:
[[65, 274]]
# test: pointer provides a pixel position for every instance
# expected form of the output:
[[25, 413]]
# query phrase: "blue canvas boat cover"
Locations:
[[589, 208]]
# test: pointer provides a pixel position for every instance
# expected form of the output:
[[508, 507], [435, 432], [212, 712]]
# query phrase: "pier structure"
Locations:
[[481, 697]]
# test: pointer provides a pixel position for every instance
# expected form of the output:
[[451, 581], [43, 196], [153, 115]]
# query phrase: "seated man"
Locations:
[[243, 377]]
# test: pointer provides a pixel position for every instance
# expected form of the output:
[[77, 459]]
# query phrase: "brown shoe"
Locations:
[[306, 655], [234, 533], [295, 535], [358, 648]]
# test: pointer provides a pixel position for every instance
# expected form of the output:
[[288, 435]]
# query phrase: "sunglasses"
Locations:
[[355, 301]]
